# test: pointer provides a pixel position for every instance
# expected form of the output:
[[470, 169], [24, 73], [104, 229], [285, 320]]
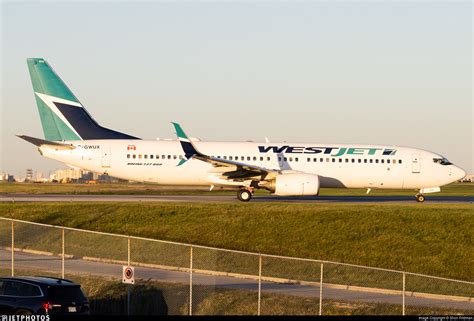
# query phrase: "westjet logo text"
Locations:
[[331, 151]]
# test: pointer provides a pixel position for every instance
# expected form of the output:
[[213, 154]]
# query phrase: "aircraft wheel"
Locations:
[[244, 195], [420, 198]]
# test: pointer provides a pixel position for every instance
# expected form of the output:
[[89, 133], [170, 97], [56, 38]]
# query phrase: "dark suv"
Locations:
[[41, 295]]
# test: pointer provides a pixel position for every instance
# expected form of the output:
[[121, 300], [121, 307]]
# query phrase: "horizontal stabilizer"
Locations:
[[41, 142]]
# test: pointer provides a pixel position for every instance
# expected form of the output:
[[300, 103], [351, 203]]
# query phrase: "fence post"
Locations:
[[13, 248], [321, 291], [128, 251], [191, 280], [403, 293], [63, 254], [259, 283]]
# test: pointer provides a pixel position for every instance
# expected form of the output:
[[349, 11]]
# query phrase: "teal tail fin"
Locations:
[[62, 115]]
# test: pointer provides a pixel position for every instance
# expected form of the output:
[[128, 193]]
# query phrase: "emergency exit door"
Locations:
[[106, 156], [415, 163]]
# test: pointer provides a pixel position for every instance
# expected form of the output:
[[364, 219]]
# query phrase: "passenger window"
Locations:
[[163, 156], [175, 157], [359, 160], [371, 160], [28, 290], [321, 159], [169, 156], [394, 161], [225, 157], [134, 156], [181, 157], [296, 159], [365, 160], [139, 156], [285, 159], [399, 161], [242, 158], [230, 157], [261, 158], [353, 160], [151, 156], [382, 161], [327, 160], [128, 155], [340, 160], [291, 159], [315, 160], [145, 156], [248, 158], [268, 158], [347, 160], [157, 157], [254, 158], [279, 159], [376, 161], [12, 288]]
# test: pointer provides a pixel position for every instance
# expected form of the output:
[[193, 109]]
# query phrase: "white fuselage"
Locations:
[[337, 165]]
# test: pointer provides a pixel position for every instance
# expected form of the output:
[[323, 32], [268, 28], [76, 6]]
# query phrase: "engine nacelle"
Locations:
[[294, 184]]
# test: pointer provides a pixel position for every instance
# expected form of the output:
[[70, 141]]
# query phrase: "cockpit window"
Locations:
[[442, 161]]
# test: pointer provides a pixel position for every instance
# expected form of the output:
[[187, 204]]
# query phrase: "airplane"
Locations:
[[73, 137]]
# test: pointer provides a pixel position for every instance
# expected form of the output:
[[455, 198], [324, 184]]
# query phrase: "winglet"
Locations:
[[188, 147]]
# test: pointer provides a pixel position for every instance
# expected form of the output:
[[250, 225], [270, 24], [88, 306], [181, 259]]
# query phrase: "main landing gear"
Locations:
[[244, 195], [420, 198]]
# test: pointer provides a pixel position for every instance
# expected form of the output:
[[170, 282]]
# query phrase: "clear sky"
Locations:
[[382, 72]]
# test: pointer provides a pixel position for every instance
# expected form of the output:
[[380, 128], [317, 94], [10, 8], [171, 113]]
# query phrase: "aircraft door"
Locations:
[[415, 163], [106, 156]]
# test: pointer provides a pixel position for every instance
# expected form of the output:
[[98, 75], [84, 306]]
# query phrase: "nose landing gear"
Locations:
[[420, 198]]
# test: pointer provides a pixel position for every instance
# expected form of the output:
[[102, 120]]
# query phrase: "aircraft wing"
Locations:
[[231, 170]]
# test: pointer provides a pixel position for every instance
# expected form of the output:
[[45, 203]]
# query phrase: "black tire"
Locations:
[[244, 195], [23, 312], [420, 198]]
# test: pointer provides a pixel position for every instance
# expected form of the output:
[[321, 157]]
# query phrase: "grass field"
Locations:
[[456, 189], [109, 296], [434, 239]]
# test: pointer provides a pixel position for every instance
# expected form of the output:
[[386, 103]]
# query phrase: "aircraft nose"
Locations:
[[458, 173]]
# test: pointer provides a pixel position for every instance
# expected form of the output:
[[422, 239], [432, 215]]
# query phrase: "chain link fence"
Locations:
[[184, 279]]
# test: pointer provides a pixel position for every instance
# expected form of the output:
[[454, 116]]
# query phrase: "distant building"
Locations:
[[80, 176], [469, 178], [6, 178], [39, 178], [29, 175], [67, 175]]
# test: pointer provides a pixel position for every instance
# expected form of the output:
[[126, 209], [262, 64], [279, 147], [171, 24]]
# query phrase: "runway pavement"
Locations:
[[227, 198], [80, 266]]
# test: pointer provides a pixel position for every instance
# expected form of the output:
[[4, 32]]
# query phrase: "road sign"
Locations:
[[128, 274]]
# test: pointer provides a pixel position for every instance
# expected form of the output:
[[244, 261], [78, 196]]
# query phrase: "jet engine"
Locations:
[[293, 184]]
